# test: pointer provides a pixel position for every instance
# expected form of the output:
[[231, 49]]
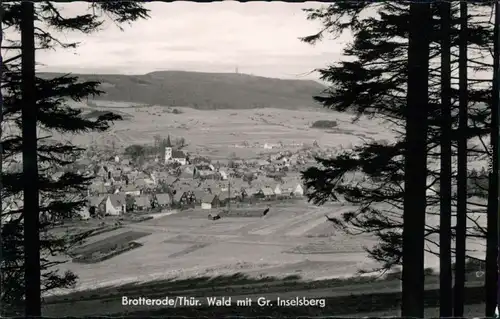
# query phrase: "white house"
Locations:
[[293, 188], [298, 190], [277, 190], [115, 204]]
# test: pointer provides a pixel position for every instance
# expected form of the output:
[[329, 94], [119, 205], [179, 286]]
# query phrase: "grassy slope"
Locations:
[[205, 90]]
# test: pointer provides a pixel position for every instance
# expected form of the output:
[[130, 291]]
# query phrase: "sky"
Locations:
[[258, 38]]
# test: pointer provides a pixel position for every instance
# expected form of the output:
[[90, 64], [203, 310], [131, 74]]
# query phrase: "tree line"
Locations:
[[416, 67], [138, 152], [30, 103]]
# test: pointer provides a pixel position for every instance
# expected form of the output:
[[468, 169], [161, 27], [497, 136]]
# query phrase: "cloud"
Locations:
[[259, 38]]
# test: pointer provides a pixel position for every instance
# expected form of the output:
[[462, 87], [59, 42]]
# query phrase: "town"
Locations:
[[173, 179]]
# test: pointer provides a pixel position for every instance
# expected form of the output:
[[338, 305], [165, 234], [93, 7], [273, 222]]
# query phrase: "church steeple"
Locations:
[[168, 143]]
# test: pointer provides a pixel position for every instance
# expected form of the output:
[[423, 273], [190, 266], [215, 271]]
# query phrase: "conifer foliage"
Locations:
[[372, 81], [61, 197]]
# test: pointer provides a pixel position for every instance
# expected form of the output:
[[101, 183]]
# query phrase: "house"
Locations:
[[237, 184], [208, 184], [98, 188], [277, 190], [97, 205], [101, 171], [298, 190], [216, 190], [198, 195], [223, 199], [149, 181], [131, 190], [226, 197], [141, 175], [186, 173], [209, 201], [251, 191], [142, 203], [262, 163], [224, 186], [116, 204], [223, 175], [180, 197], [266, 192], [118, 179], [263, 181], [169, 179], [140, 182], [163, 200]]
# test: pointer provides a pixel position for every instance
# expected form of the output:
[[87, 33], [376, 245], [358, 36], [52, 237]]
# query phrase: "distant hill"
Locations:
[[205, 91]]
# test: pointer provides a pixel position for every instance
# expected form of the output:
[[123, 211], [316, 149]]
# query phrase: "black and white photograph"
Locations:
[[284, 159]]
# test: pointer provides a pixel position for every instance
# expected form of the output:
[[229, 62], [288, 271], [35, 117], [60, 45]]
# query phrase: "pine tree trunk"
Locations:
[[461, 225], [445, 272], [416, 160], [1, 164], [30, 166], [491, 278]]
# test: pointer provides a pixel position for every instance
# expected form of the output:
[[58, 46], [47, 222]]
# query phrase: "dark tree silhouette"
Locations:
[[60, 197], [372, 82], [445, 190], [32, 272], [135, 151], [1, 157], [461, 226], [491, 278], [415, 160]]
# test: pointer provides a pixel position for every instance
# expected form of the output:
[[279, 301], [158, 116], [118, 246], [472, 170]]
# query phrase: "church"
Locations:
[[174, 156]]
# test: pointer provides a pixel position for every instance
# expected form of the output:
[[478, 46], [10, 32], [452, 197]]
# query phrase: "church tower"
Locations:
[[168, 150]]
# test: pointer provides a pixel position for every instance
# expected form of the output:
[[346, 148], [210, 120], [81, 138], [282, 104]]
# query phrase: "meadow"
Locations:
[[218, 133]]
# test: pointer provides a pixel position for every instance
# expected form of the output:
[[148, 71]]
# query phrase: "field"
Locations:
[[293, 239], [220, 132], [108, 243]]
